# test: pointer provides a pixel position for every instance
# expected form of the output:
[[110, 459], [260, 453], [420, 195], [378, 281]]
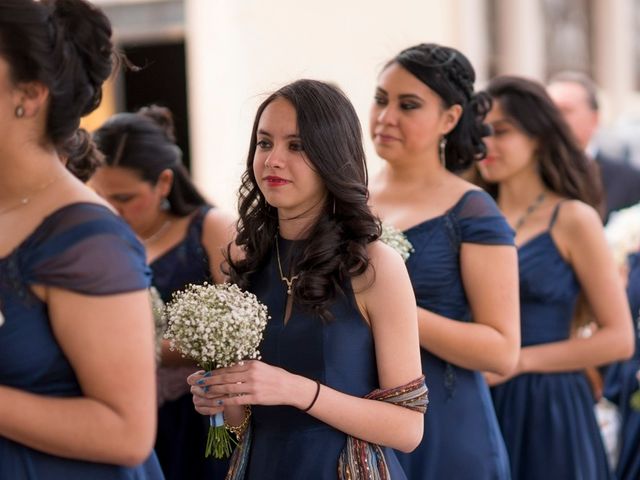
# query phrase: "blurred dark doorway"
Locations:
[[161, 80]]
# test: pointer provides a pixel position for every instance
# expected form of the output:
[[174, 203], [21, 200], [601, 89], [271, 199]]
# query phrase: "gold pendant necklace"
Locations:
[[288, 281], [27, 198]]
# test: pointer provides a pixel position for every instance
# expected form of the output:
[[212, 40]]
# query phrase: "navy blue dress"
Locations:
[[621, 383], [182, 432], [547, 419], [287, 443], [83, 248], [461, 435]]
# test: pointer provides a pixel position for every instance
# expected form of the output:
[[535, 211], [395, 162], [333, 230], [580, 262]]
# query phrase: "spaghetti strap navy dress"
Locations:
[[462, 438], [84, 248], [621, 382], [182, 432], [547, 419], [288, 443]]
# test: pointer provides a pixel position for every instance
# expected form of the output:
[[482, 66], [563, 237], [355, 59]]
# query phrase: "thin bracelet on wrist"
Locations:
[[315, 398]]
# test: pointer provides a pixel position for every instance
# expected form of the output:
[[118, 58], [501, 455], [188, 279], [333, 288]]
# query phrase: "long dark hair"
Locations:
[[335, 249], [66, 45], [449, 74], [564, 166], [145, 143]]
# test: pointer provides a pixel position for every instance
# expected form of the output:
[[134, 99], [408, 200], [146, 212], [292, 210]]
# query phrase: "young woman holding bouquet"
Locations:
[[544, 185], [77, 388], [427, 123], [144, 179], [340, 355]]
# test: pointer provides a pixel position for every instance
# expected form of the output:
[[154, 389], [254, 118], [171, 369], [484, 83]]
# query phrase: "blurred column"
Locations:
[[239, 50], [613, 51], [520, 38], [472, 35]]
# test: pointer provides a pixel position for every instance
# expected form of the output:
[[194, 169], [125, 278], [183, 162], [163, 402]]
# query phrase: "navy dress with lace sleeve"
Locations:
[[84, 248], [461, 434]]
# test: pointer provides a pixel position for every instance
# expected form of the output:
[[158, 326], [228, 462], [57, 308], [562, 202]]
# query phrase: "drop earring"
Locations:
[[19, 112], [442, 151]]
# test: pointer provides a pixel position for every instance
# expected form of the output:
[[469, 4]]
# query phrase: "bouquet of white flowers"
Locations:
[[160, 323], [396, 240], [217, 326], [623, 233]]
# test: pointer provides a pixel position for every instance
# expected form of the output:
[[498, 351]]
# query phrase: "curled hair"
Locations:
[[65, 45], [144, 142], [564, 167], [335, 249], [81, 154], [451, 76]]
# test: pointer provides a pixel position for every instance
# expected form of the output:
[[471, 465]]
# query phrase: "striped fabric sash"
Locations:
[[362, 460], [359, 460]]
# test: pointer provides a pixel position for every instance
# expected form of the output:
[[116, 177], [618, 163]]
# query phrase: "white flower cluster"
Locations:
[[160, 323], [216, 325], [396, 240], [623, 233]]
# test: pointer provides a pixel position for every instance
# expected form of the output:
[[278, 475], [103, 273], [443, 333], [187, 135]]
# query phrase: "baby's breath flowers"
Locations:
[[623, 233], [396, 240], [217, 326]]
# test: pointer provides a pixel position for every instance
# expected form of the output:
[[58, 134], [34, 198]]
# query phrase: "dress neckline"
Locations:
[[443, 214], [175, 246]]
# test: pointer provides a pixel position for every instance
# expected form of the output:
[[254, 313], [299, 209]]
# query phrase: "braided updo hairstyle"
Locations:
[[65, 45], [449, 74]]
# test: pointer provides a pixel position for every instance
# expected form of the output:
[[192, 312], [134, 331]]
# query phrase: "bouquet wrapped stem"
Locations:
[[217, 326]]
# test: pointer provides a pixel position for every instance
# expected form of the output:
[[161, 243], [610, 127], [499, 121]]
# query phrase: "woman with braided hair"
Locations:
[[77, 383], [427, 123]]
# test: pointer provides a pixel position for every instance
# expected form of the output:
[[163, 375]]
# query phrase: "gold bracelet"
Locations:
[[239, 430]]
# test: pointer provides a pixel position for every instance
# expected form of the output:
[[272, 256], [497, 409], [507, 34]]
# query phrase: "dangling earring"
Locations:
[[334, 206], [441, 151], [19, 112], [165, 204]]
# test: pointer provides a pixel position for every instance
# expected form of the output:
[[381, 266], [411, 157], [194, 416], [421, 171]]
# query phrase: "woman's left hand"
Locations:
[[252, 382]]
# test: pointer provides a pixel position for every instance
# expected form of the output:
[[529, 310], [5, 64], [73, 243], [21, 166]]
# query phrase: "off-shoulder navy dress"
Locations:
[[462, 438], [547, 419], [621, 382], [83, 248], [288, 443]]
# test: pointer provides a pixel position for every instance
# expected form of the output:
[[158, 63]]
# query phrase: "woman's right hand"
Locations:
[[204, 402]]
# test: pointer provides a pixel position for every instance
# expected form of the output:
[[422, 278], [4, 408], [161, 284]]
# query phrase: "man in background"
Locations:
[[576, 96]]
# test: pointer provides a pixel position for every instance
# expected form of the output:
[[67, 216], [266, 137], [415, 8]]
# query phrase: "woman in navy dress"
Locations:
[[343, 321], [544, 186], [144, 179], [426, 122], [621, 382], [76, 342]]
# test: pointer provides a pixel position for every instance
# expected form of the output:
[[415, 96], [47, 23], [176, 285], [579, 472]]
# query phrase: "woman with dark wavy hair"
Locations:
[[339, 385], [547, 191], [144, 178], [427, 123], [77, 385]]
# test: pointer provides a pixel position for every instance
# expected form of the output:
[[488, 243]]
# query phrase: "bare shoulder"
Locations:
[[219, 224], [575, 217], [385, 265]]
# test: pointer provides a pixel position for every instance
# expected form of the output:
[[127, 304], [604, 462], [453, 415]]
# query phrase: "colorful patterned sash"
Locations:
[[362, 460]]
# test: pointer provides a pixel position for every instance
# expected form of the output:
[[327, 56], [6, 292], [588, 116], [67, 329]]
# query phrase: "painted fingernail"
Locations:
[[208, 374], [206, 389], [200, 382], [219, 402]]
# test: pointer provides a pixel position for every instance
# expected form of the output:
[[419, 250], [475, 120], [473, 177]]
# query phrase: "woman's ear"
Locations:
[[32, 97], [451, 116], [165, 182]]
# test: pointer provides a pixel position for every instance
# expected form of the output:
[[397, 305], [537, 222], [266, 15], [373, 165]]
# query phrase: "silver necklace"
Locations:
[[287, 280], [158, 233], [530, 209]]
